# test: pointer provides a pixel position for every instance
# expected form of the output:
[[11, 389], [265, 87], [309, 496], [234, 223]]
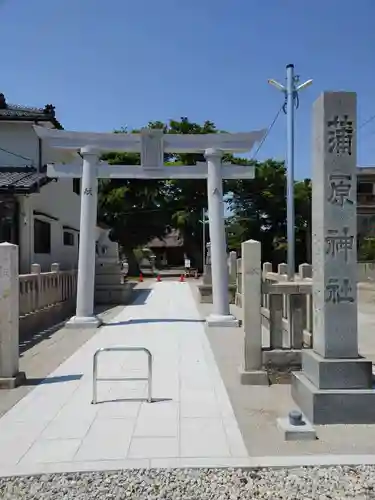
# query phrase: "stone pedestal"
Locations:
[[110, 287], [10, 376], [335, 385]]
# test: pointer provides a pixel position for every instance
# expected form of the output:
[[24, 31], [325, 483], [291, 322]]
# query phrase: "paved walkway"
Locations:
[[191, 423]]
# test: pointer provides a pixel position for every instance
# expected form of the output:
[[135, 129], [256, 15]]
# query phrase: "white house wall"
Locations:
[[58, 200], [55, 199]]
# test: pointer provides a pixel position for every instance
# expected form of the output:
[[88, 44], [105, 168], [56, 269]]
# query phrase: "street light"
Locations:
[[290, 91]]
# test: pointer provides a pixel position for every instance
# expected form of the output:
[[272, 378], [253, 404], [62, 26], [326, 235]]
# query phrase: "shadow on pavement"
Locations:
[[52, 380], [136, 400], [156, 320], [140, 296], [29, 341]]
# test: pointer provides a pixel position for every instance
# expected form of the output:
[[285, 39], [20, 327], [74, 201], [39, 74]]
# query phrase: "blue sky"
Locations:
[[107, 64]]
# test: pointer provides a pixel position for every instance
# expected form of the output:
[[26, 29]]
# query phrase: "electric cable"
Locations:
[[268, 132]]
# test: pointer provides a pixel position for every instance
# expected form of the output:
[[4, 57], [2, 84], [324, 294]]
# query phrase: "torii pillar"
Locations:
[[85, 317], [220, 315]]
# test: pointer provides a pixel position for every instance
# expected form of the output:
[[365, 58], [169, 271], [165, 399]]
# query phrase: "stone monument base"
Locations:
[[331, 374], [205, 293], [78, 322], [222, 321], [12, 382], [339, 406], [110, 287], [254, 377], [334, 391]]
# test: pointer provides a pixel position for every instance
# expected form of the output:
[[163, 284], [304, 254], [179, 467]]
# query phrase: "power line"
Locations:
[[268, 131], [366, 122], [15, 154]]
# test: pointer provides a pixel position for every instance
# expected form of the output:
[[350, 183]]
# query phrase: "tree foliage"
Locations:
[[259, 212]]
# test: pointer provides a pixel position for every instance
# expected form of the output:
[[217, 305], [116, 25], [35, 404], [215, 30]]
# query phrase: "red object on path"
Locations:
[[158, 278], [141, 278], [182, 278]]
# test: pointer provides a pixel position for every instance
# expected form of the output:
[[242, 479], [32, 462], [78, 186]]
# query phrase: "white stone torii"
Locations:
[[151, 144]]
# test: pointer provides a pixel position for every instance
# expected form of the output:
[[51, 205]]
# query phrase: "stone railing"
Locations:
[[287, 307], [285, 311], [45, 299]]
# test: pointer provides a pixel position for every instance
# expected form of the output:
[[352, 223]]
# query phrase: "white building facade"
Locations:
[[39, 214]]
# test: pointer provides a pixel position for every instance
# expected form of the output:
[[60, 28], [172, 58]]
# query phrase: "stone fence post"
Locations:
[[305, 271], [282, 269], [232, 264], [252, 372], [267, 267], [10, 375]]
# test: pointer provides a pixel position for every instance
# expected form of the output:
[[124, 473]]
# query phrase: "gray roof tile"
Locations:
[[21, 179]]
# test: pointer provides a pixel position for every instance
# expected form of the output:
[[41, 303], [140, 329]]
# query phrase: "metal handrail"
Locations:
[[122, 349]]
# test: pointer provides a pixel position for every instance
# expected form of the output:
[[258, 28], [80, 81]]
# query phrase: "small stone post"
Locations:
[[36, 269], [232, 262], [10, 375], [335, 385], [252, 372]]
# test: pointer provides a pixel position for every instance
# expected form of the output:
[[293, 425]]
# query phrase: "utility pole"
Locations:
[[290, 91]]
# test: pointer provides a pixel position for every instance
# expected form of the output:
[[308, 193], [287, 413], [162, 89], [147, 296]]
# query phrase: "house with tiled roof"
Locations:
[[39, 214]]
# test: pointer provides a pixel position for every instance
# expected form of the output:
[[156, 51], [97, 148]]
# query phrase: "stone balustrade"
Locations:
[[286, 307], [45, 299], [286, 315]]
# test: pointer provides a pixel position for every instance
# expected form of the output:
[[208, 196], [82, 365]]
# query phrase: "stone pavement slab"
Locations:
[[56, 428]]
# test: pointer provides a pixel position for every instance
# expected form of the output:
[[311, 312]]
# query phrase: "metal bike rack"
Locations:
[[122, 349]]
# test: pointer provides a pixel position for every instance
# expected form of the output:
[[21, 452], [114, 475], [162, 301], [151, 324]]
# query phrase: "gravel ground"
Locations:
[[197, 484]]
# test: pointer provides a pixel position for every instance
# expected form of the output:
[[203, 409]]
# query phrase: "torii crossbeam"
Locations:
[[151, 144]]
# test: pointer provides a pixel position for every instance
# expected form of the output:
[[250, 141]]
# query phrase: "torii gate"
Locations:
[[151, 144]]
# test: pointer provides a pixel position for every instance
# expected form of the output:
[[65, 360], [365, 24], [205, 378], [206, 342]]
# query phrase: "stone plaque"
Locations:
[[152, 148]]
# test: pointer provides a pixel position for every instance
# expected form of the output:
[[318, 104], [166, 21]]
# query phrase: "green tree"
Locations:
[[259, 211]]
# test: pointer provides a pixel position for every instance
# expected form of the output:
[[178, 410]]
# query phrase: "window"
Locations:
[[77, 186], [42, 236], [365, 187], [68, 239]]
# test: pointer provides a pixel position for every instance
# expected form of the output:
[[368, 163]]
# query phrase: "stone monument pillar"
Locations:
[[110, 287], [335, 385]]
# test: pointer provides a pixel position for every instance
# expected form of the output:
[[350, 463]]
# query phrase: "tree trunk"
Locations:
[[133, 269]]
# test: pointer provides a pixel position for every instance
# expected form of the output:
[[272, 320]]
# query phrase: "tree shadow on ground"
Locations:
[[153, 320]]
